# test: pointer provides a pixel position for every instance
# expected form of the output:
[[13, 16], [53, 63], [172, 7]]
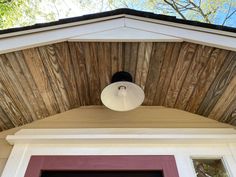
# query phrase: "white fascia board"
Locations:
[[91, 29], [183, 26], [125, 34], [56, 27], [125, 135], [199, 37], [56, 35]]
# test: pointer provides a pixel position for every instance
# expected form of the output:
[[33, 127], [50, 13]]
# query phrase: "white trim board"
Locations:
[[183, 26], [91, 30], [71, 136], [183, 152], [54, 36], [204, 38]]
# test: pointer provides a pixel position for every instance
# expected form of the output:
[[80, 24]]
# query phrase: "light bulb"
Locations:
[[122, 91]]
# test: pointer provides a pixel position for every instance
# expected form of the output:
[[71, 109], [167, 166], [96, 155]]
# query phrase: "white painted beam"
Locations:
[[127, 135]]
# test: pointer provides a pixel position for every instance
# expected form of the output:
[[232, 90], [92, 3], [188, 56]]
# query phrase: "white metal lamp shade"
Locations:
[[122, 95]]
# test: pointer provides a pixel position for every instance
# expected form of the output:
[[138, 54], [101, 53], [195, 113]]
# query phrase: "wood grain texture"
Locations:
[[80, 71], [218, 87], [53, 71], [171, 66], [180, 72], [163, 73], [226, 99], [38, 71], [11, 101], [229, 116], [105, 64], [91, 61], [198, 64], [143, 60], [116, 57], [153, 76], [39, 82], [65, 65], [208, 75]]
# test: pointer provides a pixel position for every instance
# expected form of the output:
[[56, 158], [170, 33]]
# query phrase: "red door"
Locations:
[[165, 166]]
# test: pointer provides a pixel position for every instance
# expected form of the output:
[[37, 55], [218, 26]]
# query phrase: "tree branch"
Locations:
[[228, 17], [175, 8], [228, 13], [200, 11]]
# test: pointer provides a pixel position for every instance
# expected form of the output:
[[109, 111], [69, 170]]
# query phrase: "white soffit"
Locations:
[[125, 34]]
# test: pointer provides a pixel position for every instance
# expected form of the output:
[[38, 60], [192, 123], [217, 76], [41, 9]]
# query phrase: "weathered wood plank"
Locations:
[[104, 63], [114, 57], [143, 59], [156, 61], [43, 81], [185, 58], [163, 73], [140, 61], [222, 80], [10, 108], [16, 61], [79, 67], [53, 70], [126, 53], [67, 74], [133, 59], [92, 72], [40, 77], [120, 57], [16, 76], [226, 99], [2, 124], [207, 77], [30, 87], [5, 122], [171, 66], [197, 66], [229, 115], [12, 95]]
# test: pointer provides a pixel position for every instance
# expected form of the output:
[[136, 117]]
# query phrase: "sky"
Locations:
[[70, 8]]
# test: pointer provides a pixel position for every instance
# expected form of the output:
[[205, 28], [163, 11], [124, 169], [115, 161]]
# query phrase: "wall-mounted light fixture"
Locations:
[[122, 94]]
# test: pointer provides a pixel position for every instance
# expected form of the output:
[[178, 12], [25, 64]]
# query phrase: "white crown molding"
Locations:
[[131, 135]]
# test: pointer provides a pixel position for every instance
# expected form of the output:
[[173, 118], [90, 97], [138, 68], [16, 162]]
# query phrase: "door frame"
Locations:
[[165, 163]]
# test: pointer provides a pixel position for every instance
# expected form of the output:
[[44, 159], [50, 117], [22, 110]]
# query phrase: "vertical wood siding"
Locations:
[[39, 82]]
